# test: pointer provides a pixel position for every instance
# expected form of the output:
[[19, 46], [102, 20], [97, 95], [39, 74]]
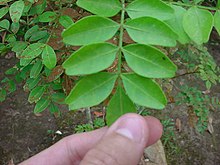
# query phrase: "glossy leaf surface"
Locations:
[[119, 105], [90, 30], [177, 24], [90, 59], [152, 8], [105, 8], [144, 91], [147, 30], [198, 24], [91, 90], [148, 61]]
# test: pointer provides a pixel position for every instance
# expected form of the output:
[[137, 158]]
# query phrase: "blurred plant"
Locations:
[[200, 103]]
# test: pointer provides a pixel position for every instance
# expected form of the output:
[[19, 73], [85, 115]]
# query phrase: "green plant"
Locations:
[[97, 123], [50, 72], [198, 61], [200, 103]]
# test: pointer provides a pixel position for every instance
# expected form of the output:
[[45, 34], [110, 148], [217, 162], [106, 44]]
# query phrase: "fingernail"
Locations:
[[131, 128]]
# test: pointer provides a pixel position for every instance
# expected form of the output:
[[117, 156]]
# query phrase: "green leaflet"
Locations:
[[91, 90], [32, 83], [147, 30], [198, 24], [148, 61], [49, 57], [3, 11], [36, 94], [177, 24], [47, 16], [3, 94], [217, 21], [41, 105], [65, 21], [38, 35], [31, 31], [36, 69], [91, 59], [16, 10], [15, 27], [152, 8], [91, 29], [105, 8], [119, 105], [5, 24], [58, 98], [32, 51], [144, 91]]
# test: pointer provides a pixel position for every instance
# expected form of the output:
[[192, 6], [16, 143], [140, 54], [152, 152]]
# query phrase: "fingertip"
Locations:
[[155, 129]]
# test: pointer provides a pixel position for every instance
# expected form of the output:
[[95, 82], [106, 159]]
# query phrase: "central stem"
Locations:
[[120, 44]]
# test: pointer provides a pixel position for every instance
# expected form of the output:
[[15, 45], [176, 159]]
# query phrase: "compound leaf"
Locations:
[[16, 10], [198, 24], [91, 59], [144, 91], [119, 105], [147, 30], [148, 61], [91, 29], [91, 90], [152, 8], [49, 57], [105, 8]]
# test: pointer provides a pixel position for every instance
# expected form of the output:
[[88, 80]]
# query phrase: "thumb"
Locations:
[[124, 142]]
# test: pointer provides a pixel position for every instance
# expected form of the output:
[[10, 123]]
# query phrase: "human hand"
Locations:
[[121, 144]]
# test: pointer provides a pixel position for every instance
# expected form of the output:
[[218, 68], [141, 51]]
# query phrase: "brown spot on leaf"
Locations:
[[67, 84], [55, 74]]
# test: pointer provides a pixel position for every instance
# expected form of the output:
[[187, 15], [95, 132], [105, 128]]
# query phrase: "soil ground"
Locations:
[[22, 134]]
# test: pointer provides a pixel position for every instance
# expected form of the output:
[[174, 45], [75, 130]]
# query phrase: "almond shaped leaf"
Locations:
[[91, 90], [49, 57], [217, 21], [41, 105], [47, 16], [177, 24], [66, 21], [36, 94], [147, 30], [119, 105], [32, 51], [91, 29], [16, 10], [148, 61], [105, 8], [36, 69], [3, 11], [144, 91], [152, 8], [198, 24], [91, 59]]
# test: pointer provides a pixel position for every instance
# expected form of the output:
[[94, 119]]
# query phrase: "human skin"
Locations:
[[121, 144]]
